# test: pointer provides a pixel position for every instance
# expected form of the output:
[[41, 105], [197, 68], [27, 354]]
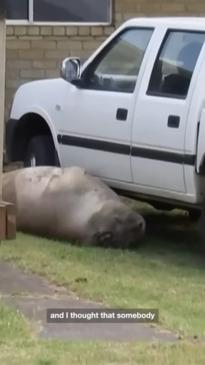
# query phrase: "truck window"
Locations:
[[117, 67], [175, 63]]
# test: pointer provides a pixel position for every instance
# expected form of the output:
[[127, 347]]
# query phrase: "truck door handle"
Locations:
[[122, 114], [173, 121]]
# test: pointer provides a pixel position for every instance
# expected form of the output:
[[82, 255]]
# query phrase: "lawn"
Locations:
[[18, 346], [166, 272]]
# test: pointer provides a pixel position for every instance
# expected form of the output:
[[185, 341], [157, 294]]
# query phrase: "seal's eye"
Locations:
[[104, 238]]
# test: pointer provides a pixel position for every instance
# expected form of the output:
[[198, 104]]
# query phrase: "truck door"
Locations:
[[95, 129], [162, 106]]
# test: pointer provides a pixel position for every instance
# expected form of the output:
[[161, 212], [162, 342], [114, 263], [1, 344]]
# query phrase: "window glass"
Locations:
[[17, 9], [118, 68], [72, 11], [2, 9], [175, 64]]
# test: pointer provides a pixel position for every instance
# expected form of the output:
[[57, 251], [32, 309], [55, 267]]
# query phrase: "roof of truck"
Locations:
[[179, 22]]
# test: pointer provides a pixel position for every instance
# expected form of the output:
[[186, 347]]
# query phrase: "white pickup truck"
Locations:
[[132, 114]]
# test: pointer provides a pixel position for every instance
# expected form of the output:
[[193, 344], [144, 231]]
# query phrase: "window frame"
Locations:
[[99, 57], [32, 22], [169, 95]]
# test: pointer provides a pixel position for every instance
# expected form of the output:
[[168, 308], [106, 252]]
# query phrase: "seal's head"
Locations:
[[116, 225]]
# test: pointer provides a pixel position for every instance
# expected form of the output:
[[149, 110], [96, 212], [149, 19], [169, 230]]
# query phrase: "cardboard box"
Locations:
[[7, 221], [10, 221], [2, 221]]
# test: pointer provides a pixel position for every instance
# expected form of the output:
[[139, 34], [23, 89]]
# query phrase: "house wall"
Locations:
[[35, 52]]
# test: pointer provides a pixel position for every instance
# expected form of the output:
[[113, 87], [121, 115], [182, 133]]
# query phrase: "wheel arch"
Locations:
[[20, 132]]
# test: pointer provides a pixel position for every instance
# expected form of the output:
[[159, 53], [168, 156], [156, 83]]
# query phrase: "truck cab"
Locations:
[[132, 114]]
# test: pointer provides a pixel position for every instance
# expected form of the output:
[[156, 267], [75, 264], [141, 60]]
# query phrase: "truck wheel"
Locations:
[[202, 229], [40, 152]]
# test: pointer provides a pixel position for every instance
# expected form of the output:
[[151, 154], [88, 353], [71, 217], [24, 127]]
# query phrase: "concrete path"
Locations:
[[33, 295]]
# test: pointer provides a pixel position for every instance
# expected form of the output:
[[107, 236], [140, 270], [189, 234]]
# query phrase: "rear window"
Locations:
[[175, 64]]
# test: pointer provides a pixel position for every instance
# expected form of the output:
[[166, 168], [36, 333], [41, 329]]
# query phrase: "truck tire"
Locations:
[[40, 152], [201, 226]]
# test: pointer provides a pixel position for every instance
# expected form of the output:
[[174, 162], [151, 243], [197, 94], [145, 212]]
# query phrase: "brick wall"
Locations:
[[36, 52]]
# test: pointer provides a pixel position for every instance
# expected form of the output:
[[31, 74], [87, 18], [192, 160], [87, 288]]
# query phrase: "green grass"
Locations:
[[18, 346], [166, 272]]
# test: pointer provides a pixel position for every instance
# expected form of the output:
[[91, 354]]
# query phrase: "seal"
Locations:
[[72, 205]]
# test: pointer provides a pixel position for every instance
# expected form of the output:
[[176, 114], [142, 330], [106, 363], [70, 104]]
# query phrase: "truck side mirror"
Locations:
[[70, 69]]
